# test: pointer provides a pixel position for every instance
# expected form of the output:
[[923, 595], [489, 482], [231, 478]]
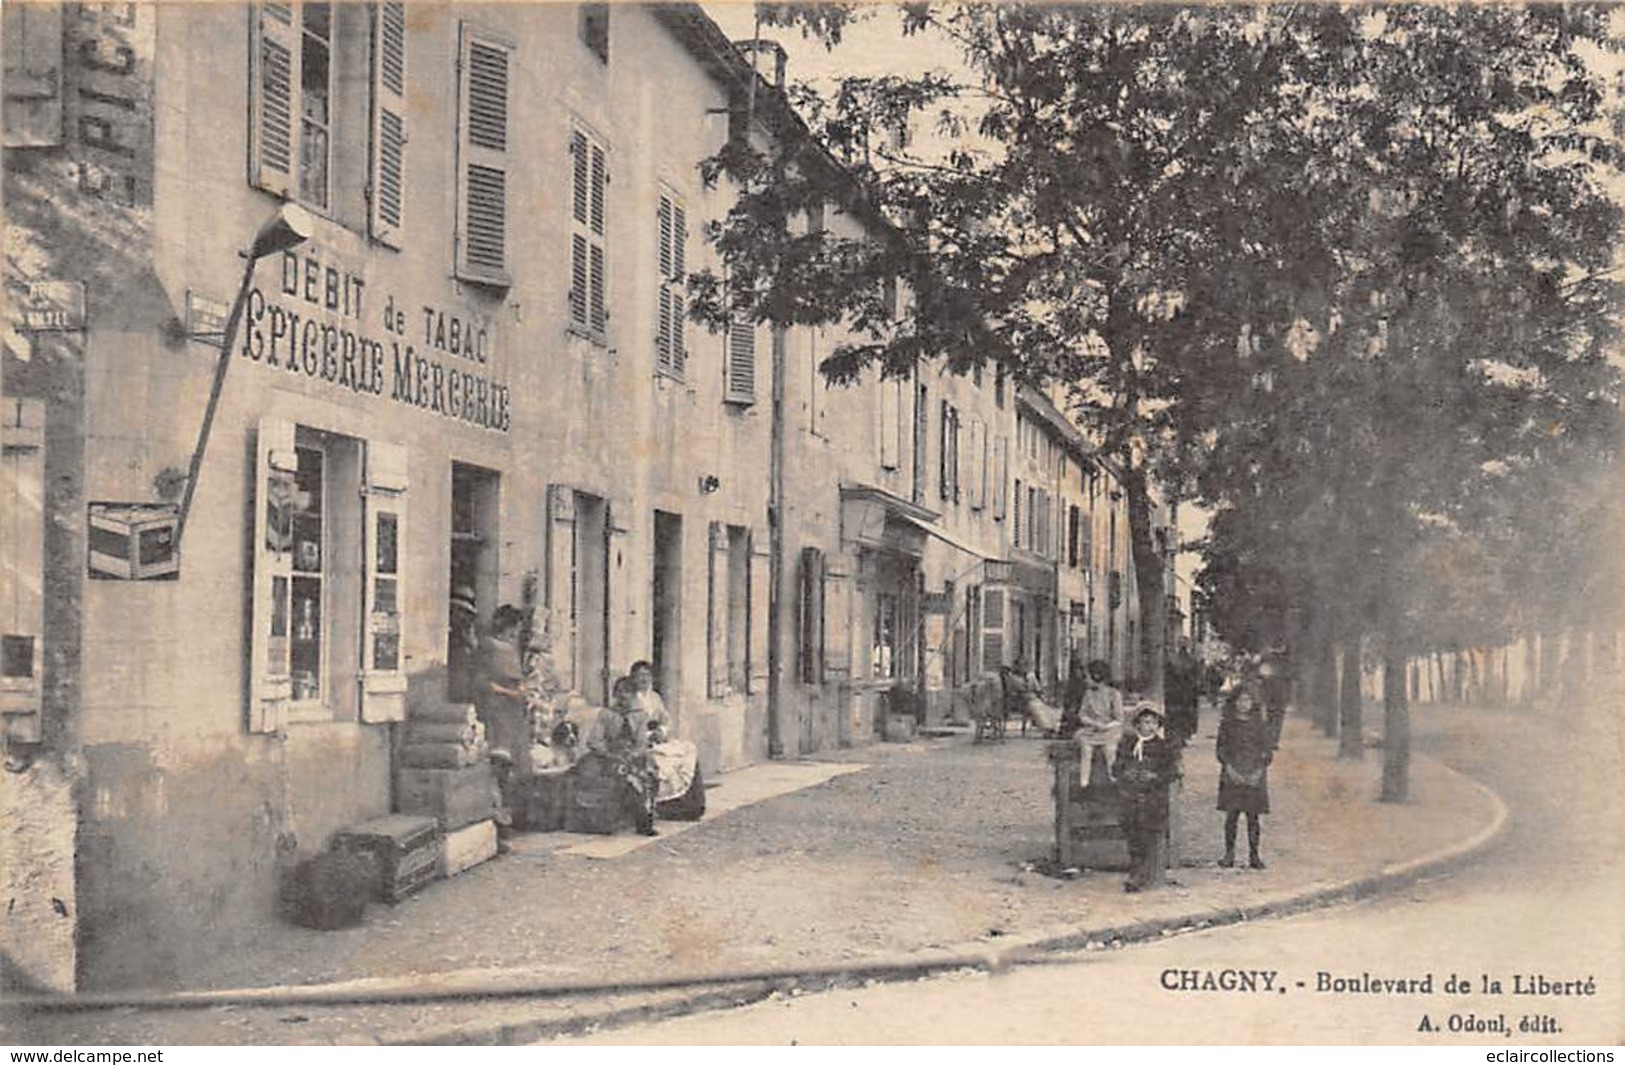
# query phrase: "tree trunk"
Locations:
[[1396, 725], [1351, 743], [1324, 695], [1148, 577]]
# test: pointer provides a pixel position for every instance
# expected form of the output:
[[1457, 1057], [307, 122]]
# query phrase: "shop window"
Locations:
[[329, 543], [316, 137], [589, 180], [484, 86], [671, 312]]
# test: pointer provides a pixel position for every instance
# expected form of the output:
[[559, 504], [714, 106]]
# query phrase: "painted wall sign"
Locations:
[[323, 322], [206, 319], [54, 306]]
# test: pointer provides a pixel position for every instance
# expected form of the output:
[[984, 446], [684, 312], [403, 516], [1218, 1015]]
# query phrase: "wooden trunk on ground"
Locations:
[[404, 851]]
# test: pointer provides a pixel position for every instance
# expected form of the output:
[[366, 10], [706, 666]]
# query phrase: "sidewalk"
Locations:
[[893, 852]]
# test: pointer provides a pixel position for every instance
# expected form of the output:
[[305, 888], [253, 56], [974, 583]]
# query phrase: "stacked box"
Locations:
[[596, 799], [468, 847], [541, 801], [454, 797], [404, 851]]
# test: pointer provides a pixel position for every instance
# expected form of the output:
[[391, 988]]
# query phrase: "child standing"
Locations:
[[1145, 767], [1245, 751]]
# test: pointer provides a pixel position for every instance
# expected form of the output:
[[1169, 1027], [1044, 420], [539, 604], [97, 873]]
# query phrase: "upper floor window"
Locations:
[[484, 79], [328, 88], [589, 181], [594, 29], [740, 371], [671, 312]]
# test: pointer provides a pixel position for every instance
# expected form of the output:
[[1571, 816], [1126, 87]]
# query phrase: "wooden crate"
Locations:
[[454, 797], [404, 851]]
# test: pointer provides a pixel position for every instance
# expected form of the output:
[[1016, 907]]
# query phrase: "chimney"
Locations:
[[757, 50]]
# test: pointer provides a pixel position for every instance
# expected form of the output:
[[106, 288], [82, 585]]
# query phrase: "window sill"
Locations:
[[597, 340], [497, 283], [739, 401]]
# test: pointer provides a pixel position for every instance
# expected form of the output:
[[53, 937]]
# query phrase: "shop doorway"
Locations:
[[473, 560], [666, 605]]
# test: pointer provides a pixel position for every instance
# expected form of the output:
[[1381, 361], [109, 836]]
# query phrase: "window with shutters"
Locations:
[[316, 136], [589, 266], [978, 464], [1001, 470], [1015, 524], [740, 371], [485, 77], [671, 310]]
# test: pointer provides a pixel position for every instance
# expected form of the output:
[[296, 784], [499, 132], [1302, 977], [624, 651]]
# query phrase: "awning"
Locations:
[[931, 528]]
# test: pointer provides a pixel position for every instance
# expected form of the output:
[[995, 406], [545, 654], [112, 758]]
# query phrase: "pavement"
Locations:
[[875, 864]]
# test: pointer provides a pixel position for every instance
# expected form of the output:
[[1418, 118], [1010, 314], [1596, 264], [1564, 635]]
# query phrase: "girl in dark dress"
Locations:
[[1145, 767], [1245, 751]]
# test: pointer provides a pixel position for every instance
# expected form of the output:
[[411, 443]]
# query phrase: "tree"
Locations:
[[1092, 171]]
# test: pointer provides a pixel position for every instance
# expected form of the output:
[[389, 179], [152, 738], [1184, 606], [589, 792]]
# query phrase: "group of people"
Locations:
[[530, 723], [1138, 752]]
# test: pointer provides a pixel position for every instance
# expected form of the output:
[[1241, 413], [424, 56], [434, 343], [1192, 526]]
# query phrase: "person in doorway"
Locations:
[[1245, 751], [1100, 723], [646, 699], [499, 686], [462, 645], [1145, 767], [621, 733]]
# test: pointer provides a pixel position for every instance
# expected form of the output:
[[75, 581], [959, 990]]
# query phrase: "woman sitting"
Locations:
[[621, 733]]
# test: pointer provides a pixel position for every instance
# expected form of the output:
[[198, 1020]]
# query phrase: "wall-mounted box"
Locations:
[[133, 541]]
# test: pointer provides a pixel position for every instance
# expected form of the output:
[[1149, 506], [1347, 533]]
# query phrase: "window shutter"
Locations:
[[482, 223], [386, 199], [663, 359], [716, 627], [944, 451], [759, 604], [978, 464], [679, 318], [992, 629], [1001, 470], [1015, 524], [383, 674], [672, 310], [270, 686], [579, 177], [811, 614], [600, 178], [22, 567], [741, 365], [595, 295], [275, 110], [836, 623], [891, 413], [578, 280], [679, 250], [561, 546]]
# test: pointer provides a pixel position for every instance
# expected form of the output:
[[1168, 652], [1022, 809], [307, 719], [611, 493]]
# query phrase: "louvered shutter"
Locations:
[[578, 280], [387, 188], [1015, 524], [945, 452], [811, 616], [595, 292], [273, 156], [741, 365], [978, 463], [275, 491], [580, 177], [757, 608], [836, 622], [716, 626], [383, 676], [561, 546], [482, 227], [679, 288], [992, 629]]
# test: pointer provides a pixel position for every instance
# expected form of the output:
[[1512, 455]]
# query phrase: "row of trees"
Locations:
[[1343, 275]]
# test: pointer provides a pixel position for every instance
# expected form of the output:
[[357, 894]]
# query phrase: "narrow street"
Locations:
[[1542, 903]]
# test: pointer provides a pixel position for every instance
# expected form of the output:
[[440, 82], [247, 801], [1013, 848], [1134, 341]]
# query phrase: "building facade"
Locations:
[[475, 371]]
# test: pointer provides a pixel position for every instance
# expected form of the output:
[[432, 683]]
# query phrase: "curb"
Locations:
[[721, 990]]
